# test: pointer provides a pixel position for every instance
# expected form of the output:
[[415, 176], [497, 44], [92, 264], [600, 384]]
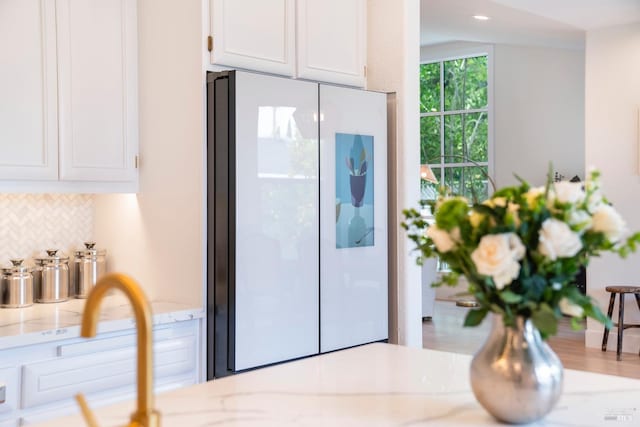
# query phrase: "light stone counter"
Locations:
[[48, 322], [378, 385]]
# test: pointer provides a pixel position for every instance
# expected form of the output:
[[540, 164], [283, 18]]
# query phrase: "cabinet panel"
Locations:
[[8, 392], [97, 89], [331, 40], [62, 378], [353, 249], [28, 88], [256, 35]]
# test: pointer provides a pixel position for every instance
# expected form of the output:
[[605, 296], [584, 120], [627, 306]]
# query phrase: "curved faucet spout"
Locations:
[[145, 414]]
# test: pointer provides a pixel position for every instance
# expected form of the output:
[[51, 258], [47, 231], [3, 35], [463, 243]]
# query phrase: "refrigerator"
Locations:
[[297, 259]]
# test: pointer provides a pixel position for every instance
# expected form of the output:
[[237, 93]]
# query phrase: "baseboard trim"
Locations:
[[630, 341]]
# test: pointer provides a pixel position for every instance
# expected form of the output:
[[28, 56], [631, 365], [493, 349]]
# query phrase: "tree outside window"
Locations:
[[454, 126]]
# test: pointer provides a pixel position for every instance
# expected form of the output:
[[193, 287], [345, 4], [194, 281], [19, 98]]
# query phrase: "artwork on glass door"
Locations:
[[354, 190]]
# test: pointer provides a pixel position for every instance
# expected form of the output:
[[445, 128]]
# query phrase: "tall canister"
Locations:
[[89, 266], [51, 277], [17, 285]]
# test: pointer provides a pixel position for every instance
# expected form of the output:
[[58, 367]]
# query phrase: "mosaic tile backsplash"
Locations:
[[31, 223]]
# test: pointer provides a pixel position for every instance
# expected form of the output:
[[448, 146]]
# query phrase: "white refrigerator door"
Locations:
[[353, 224], [277, 230]]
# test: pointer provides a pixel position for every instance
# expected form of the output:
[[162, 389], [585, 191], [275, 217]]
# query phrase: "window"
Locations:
[[454, 125]]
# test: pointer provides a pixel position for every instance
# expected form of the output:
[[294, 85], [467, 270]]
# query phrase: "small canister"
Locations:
[[17, 285], [89, 266], [51, 277]]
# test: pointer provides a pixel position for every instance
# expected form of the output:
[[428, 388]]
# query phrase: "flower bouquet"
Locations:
[[521, 249], [520, 252]]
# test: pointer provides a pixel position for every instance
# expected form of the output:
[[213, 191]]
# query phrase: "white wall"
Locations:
[[157, 236], [612, 140], [539, 113], [538, 108], [393, 53]]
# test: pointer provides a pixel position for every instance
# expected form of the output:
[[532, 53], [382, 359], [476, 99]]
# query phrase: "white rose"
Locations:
[[608, 221], [569, 308], [595, 201], [513, 210], [581, 219], [497, 256], [517, 248], [475, 218], [557, 240], [568, 192], [442, 239], [533, 194], [500, 202]]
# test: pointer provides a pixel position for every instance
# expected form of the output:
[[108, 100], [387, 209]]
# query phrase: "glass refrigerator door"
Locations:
[[277, 224], [353, 224]]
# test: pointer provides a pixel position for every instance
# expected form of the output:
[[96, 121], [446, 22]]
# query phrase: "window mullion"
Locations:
[[441, 121]]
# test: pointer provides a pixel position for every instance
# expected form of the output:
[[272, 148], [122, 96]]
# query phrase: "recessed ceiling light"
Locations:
[[481, 17]]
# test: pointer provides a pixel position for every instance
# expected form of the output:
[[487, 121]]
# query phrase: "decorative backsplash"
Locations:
[[31, 223]]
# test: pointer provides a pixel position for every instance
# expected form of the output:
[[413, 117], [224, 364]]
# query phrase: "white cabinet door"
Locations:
[[28, 114], [353, 240], [254, 34], [97, 66], [331, 41]]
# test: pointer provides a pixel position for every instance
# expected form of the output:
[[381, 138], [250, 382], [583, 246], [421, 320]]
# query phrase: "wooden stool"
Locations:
[[622, 290]]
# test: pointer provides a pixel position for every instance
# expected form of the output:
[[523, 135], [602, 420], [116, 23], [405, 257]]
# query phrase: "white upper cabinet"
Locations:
[[254, 34], [331, 41], [68, 95], [28, 90], [97, 89], [322, 40]]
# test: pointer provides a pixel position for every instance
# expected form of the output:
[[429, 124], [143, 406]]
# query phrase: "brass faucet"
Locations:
[[145, 415]]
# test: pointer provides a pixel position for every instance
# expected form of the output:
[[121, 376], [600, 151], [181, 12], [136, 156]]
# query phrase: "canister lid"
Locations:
[[90, 251], [53, 256], [17, 267]]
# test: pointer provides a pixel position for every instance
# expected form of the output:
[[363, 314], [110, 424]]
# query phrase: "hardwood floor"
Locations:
[[445, 332]]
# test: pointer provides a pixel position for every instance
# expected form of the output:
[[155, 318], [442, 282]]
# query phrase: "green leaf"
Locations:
[[576, 324], [475, 317], [545, 320], [509, 297]]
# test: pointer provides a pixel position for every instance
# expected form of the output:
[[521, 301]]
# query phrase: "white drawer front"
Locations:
[[64, 377], [8, 392]]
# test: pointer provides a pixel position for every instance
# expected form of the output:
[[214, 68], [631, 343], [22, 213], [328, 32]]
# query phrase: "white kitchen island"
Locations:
[[374, 385]]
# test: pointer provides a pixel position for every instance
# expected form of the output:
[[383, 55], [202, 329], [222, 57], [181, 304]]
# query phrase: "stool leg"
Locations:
[[605, 336], [620, 326], [638, 302]]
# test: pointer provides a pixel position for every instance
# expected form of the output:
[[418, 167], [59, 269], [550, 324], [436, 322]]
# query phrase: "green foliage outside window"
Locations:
[[454, 129]]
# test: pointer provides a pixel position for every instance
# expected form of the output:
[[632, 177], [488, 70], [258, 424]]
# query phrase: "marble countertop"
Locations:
[[377, 385], [48, 322]]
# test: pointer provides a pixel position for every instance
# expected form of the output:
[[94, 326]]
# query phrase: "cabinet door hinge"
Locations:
[[210, 43], [365, 71], [136, 162]]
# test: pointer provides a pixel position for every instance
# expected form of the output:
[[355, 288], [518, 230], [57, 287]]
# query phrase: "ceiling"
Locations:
[[555, 23]]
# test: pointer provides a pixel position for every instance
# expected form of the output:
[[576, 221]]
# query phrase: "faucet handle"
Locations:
[[86, 411]]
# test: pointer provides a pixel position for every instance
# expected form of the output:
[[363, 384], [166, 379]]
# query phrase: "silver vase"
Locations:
[[516, 376]]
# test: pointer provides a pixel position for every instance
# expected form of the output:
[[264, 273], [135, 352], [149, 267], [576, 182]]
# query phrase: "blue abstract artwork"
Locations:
[[354, 190]]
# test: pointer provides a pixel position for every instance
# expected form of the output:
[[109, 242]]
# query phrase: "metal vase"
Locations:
[[516, 376]]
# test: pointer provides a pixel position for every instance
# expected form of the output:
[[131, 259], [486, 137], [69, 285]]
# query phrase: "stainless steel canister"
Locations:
[[51, 277], [17, 285], [89, 266]]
